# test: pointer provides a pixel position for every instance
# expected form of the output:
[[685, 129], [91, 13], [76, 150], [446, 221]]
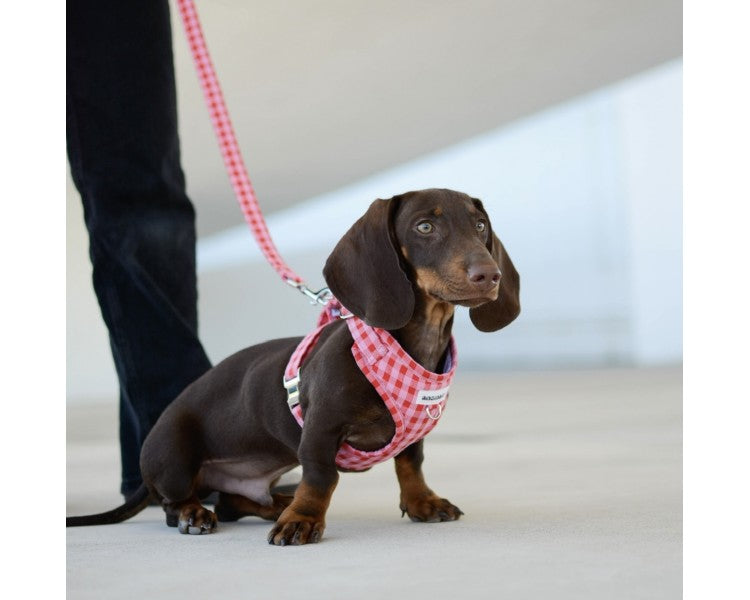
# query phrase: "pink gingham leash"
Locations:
[[414, 396], [230, 151]]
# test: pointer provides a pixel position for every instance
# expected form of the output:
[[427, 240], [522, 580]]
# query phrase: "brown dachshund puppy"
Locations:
[[403, 267]]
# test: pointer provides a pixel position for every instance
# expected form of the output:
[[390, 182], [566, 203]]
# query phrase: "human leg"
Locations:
[[124, 155]]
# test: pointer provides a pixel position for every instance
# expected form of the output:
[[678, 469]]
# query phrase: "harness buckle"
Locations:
[[292, 390]]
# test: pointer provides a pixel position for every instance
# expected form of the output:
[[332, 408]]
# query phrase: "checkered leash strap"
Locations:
[[230, 150]]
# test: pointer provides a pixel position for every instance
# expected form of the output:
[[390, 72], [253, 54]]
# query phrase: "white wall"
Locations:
[[651, 112], [585, 196], [587, 199]]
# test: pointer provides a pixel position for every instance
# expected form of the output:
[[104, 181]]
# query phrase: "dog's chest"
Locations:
[[374, 429]]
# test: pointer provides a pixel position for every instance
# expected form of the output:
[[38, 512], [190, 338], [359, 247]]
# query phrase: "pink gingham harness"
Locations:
[[414, 396]]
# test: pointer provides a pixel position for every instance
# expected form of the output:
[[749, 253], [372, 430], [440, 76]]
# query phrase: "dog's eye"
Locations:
[[425, 227], [481, 226]]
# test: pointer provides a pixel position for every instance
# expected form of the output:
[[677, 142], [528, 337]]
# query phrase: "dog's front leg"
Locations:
[[303, 521], [417, 500]]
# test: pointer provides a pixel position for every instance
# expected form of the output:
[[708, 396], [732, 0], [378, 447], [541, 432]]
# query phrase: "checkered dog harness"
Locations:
[[414, 396]]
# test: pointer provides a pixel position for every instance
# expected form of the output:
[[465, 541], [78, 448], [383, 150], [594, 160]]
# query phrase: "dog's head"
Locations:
[[438, 243]]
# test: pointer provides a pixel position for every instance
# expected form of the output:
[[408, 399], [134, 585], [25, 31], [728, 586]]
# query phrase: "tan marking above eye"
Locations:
[[438, 211]]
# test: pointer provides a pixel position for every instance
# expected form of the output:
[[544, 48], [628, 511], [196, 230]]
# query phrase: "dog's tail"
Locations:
[[133, 505]]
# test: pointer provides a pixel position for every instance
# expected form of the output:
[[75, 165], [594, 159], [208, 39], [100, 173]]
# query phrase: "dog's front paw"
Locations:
[[430, 509], [196, 520], [295, 529]]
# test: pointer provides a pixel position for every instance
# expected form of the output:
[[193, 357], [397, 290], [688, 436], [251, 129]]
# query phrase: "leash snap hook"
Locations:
[[321, 297]]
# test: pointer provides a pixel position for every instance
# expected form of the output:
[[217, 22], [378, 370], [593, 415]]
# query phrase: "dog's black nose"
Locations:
[[484, 275]]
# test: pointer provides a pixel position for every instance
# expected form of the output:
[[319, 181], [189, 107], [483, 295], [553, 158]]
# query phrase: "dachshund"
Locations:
[[400, 270]]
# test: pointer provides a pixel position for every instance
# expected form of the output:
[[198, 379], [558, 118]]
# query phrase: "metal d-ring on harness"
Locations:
[[434, 417]]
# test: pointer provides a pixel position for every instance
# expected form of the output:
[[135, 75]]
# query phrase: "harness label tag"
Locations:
[[430, 397]]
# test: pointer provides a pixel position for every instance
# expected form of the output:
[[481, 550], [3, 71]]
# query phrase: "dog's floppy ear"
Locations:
[[364, 270], [501, 312]]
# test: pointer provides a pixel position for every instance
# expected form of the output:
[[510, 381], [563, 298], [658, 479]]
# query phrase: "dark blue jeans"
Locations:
[[124, 157]]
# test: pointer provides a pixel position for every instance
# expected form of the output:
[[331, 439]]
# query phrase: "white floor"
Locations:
[[571, 483]]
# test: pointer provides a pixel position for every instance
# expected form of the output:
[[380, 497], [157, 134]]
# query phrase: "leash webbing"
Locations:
[[230, 150]]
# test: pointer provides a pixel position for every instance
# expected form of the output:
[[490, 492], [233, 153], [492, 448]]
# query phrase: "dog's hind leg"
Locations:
[[170, 463], [231, 507]]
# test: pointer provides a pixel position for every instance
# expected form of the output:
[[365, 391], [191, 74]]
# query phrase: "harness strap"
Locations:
[[413, 396], [333, 310], [291, 377]]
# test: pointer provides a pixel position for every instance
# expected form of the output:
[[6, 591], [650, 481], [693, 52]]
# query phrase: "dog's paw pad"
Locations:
[[431, 510], [296, 532], [196, 521]]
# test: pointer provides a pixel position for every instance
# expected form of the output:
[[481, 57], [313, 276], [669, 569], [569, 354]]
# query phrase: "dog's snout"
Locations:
[[484, 275]]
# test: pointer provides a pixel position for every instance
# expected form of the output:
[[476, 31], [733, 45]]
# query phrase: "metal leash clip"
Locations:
[[321, 297]]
